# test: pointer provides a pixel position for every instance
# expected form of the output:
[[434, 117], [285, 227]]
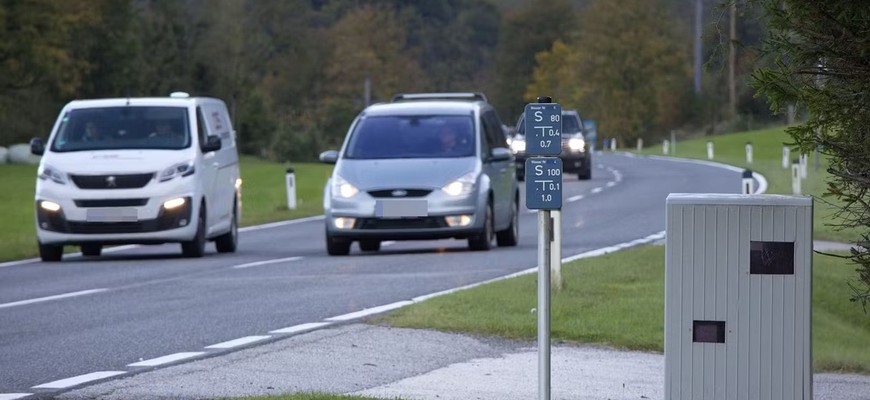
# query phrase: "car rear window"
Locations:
[[412, 136]]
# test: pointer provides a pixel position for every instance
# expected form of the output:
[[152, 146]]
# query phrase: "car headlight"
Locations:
[[48, 172], [462, 186], [518, 145], [181, 169], [342, 188], [576, 144]]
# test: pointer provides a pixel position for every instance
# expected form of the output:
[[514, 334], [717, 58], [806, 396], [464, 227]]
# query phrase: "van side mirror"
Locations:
[[329, 157], [212, 143], [37, 146]]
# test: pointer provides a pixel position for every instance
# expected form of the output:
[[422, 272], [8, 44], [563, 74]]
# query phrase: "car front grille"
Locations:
[[400, 193], [402, 223], [125, 181]]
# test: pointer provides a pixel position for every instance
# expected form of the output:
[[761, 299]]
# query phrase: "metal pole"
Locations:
[[698, 16], [545, 226]]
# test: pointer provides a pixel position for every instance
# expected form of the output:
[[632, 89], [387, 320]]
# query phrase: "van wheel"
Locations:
[[337, 246], [92, 249], [369, 245], [510, 236], [483, 241], [196, 247], [228, 242], [50, 252]]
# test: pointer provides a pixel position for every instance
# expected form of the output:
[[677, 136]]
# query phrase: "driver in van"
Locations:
[[92, 133]]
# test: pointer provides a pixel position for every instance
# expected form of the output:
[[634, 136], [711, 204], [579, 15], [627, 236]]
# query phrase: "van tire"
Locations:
[[228, 242], [196, 248], [92, 249], [336, 246], [50, 252]]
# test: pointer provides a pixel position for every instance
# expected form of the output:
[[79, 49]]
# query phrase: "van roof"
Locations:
[[140, 101]]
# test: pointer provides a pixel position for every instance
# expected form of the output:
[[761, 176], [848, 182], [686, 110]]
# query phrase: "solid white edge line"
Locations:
[[596, 190], [50, 298], [166, 359], [301, 327], [267, 262], [238, 342], [78, 380], [369, 311], [13, 396]]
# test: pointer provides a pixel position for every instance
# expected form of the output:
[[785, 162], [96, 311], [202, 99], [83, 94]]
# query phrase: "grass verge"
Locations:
[[264, 199], [617, 300], [767, 160]]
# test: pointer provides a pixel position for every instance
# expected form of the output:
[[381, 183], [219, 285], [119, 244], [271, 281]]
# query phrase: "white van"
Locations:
[[138, 171]]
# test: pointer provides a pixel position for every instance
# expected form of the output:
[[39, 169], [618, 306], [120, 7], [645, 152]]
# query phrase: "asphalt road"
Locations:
[[148, 302]]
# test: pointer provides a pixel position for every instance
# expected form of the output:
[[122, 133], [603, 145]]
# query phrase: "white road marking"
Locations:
[[611, 184], [301, 327], [575, 198], [238, 342], [596, 190], [13, 396], [166, 359], [388, 243], [50, 298], [267, 262], [617, 176], [78, 380], [370, 311]]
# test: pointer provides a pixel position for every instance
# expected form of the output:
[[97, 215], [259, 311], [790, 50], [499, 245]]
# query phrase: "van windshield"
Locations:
[[412, 136], [129, 127]]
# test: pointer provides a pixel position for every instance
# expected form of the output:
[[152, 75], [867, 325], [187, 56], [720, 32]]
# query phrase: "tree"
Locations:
[[820, 51]]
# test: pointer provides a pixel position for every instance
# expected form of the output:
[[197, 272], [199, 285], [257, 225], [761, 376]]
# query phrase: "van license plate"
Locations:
[[112, 215], [404, 208]]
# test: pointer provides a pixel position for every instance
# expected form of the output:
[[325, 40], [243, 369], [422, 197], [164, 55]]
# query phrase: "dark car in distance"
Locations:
[[576, 157]]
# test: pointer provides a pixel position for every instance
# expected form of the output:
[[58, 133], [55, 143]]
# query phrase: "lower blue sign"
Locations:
[[544, 183]]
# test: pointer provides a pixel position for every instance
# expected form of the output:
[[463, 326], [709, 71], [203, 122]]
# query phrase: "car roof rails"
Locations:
[[471, 96]]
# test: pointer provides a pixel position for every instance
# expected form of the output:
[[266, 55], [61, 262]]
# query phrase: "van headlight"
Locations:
[[181, 169], [576, 144], [518, 145], [462, 186], [342, 188], [49, 172]]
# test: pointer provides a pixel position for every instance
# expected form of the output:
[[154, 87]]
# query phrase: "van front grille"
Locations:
[[126, 181]]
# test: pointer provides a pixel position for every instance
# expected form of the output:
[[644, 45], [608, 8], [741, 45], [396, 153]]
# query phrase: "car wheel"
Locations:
[[483, 241], [228, 242], [196, 247], [510, 236], [92, 250], [521, 176], [50, 252], [369, 245], [586, 172], [337, 246]]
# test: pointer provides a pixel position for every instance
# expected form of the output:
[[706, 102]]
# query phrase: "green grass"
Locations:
[[767, 160], [264, 199], [617, 300], [310, 396]]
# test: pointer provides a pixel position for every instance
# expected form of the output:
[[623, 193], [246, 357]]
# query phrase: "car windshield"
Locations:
[[570, 124], [413, 136], [129, 127]]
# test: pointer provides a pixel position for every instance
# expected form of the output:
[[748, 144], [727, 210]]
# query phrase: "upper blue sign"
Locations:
[[543, 129]]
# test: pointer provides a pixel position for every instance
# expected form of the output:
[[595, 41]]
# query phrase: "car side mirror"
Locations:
[[212, 143], [329, 157], [500, 154], [37, 146]]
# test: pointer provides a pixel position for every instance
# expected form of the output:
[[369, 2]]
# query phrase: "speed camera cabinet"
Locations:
[[737, 297]]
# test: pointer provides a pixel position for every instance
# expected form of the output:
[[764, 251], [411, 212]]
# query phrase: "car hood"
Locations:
[[115, 162], [424, 173]]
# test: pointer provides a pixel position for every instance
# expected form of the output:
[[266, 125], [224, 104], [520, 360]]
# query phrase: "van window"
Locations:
[[412, 136], [129, 127]]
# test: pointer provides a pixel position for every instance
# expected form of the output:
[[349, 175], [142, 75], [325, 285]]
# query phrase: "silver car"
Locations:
[[422, 169]]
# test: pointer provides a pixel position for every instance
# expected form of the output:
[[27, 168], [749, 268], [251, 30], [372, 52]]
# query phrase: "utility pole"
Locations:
[[698, 14], [367, 90], [732, 85]]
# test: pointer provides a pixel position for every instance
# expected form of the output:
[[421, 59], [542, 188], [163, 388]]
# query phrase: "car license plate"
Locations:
[[402, 208], [112, 215]]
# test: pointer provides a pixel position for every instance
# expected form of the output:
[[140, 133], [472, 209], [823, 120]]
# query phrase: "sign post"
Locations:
[[544, 193]]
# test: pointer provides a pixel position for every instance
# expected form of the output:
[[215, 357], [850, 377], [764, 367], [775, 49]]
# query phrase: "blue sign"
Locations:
[[591, 130], [543, 129], [544, 183]]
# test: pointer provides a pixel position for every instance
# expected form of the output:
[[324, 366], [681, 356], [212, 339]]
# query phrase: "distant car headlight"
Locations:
[[462, 186], [518, 145], [342, 188], [49, 172], [181, 169], [576, 144]]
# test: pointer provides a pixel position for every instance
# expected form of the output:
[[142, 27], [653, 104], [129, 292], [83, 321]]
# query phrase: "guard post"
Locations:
[[544, 193]]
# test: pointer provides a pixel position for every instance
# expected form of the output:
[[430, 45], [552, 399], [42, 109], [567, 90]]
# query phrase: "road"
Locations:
[[83, 315]]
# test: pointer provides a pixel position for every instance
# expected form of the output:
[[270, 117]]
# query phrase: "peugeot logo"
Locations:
[[110, 182], [399, 193]]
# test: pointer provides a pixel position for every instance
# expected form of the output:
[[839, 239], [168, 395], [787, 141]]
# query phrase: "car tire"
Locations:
[[483, 240], [510, 236], [521, 176], [228, 242], [92, 249], [369, 245], [196, 248], [50, 252], [585, 173], [337, 246]]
